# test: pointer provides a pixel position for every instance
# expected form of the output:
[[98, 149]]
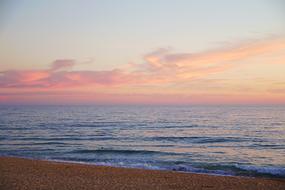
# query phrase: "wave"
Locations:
[[114, 151], [180, 166], [201, 140], [138, 161], [239, 170], [265, 170], [269, 146], [73, 138]]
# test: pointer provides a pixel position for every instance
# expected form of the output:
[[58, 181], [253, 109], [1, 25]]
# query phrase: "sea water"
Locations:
[[223, 140]]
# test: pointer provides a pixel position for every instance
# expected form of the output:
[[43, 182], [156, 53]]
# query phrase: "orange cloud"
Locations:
[[159, 67], [187, 66]]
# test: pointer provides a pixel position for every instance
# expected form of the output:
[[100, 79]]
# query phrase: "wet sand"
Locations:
[[18, 173]]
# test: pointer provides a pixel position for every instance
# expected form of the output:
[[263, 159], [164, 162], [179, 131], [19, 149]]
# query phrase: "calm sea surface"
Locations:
[[238, 140]]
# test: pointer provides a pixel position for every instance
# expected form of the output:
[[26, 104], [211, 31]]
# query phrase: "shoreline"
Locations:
[[262, 175], [23, 173]]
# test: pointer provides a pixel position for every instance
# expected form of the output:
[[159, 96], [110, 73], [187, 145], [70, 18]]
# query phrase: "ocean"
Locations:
[[219, 140]]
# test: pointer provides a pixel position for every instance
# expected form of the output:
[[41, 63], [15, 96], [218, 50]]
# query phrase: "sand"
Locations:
[[19, 173]]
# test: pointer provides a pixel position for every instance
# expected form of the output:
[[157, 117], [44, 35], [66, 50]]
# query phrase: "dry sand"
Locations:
[[18, 173]]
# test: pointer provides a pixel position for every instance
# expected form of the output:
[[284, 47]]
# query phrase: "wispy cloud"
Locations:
[[60, 74], [158, 67], [62, 64], [186, 66]]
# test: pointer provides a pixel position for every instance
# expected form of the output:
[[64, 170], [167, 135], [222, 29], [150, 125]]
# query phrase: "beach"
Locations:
[[20, 173], [142, 95]]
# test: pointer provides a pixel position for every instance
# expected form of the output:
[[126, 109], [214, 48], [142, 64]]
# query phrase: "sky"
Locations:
[[142, 52]]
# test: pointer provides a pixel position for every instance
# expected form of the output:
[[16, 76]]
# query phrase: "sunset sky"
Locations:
[[142, 52]]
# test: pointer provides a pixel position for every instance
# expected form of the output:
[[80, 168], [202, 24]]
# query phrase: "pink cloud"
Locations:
[[189, 65], [60, 74], [88, 98], [159, 67], [3, 99]]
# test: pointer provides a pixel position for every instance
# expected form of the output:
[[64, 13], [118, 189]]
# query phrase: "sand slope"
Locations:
[[18, 173]]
